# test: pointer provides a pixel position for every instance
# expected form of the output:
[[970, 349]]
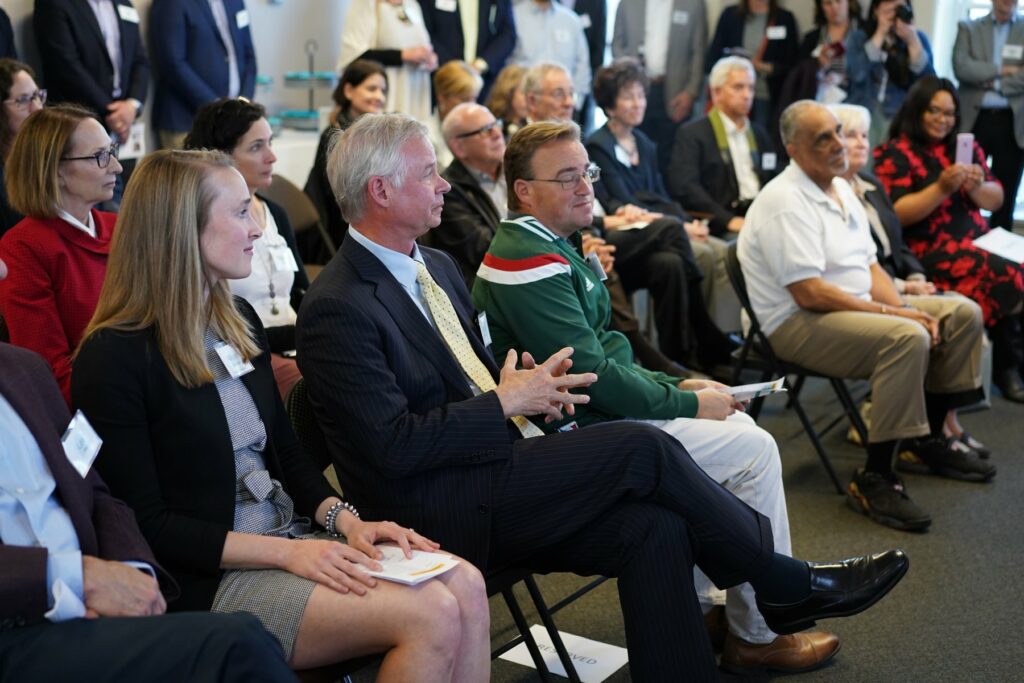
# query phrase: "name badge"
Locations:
[[242, 18], [622, 156], [233, 362], [768, 161], [282, 259], [561, 35], [135, 146], [680, 17], [586, 21], [776, 33], [485, 329], [594, 262], [1013, 51], [446, 5], [128, 13], [81, 443]]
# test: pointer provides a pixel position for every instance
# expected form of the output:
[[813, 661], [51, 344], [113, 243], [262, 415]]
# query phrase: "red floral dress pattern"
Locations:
[[944, 241]]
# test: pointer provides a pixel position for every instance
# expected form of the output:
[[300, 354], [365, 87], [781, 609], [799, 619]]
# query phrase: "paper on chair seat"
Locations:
[[747, 392], [594, 661], [1002, 242], [420, 567]]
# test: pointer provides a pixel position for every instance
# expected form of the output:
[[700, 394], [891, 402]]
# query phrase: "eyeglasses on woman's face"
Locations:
[[27, 99], [102, 158]]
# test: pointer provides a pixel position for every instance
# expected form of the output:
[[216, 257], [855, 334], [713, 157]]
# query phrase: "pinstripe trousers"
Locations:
[[625, 500]]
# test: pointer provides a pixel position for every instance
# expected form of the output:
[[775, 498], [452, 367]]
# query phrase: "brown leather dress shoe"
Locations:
[[715, 623], [794, 653]]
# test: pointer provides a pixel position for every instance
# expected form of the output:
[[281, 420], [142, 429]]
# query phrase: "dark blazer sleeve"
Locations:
[[366, 363], [115, 383], [7, 47], [64, 65], [501, 35], [690, 166], [384, 56], [245, 50], [169, 40]]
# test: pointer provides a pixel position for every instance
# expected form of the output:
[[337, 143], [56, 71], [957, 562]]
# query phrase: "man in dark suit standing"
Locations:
[[7, 46], [480, 32], [202, 50], [424, 429], [721, 161], [68, 549], [92, 54]]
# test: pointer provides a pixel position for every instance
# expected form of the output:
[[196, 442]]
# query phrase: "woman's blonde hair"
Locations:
[[155, 274], [458, 79], [503, 91], [33, 181]]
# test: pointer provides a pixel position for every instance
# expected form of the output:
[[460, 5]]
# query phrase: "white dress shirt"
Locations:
[[742, 162]]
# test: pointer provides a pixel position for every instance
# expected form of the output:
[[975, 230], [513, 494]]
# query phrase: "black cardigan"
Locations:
[[167, 451]]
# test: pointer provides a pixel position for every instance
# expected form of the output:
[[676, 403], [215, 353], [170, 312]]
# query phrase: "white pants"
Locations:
[[744, 459]]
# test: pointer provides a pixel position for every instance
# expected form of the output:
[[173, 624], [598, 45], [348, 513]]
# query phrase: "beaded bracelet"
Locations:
[[332, 516]]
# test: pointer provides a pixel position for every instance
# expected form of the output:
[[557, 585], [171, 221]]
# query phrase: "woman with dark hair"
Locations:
[[826, 44], [278, 280], [939, 204], [61, 166], [631, 189], [173, 373], [362, 89], [884, 58], [21, 97], [765, 34]]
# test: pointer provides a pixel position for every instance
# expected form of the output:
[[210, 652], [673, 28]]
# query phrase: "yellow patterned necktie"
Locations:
[[458, 343]]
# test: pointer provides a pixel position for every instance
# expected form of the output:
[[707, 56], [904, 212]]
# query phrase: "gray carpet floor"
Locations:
[[954, 617]]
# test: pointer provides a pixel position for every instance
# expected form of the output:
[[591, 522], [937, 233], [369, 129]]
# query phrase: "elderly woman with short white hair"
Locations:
[[893, 254]]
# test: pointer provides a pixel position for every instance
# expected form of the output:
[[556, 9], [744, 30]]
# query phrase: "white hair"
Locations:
[[852, 116], [790, 119], [725, 66], [372, 146]]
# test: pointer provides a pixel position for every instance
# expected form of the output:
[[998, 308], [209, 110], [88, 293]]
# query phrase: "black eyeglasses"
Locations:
[[102, 158], [26, 99], [591, 175], [496, 123]]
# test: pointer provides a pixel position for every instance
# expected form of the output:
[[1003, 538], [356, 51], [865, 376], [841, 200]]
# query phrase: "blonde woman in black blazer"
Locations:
[[173, 416]]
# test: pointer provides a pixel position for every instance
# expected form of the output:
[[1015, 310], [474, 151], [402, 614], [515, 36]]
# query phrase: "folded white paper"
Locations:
[[594, 661], [420, 567], [747, 392], [1002, 242]]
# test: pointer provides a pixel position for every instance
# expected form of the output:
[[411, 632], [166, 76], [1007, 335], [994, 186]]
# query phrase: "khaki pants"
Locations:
[[172, 139], [894, 353], [719, 296]]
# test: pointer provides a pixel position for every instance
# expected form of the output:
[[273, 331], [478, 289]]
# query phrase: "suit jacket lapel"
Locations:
[[407, 316], [89, 18], [204, 6]]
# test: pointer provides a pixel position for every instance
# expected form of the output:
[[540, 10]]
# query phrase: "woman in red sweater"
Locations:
[[61, 165]]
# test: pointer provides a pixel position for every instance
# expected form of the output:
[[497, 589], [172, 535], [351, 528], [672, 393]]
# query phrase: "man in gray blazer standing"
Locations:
[[670, 37], [988, 60]]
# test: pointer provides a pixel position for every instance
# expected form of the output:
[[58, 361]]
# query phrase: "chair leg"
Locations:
[[549, 624], [813, 436], [524, 631], [795, 392], [851, 408]]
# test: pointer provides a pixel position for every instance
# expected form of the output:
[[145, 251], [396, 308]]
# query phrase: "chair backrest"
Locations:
[[755, 339], [307, 429], [301, 211]]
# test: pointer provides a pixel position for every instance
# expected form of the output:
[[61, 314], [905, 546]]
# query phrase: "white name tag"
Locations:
[[446, 5], [680, 17], [561, 35], [135, 146], [586, 21], [128, 13], [233, 362], [282, 259], [768, 161], [1013, 51], [81, 443], [485, 329], [242, 18], [776, 33]]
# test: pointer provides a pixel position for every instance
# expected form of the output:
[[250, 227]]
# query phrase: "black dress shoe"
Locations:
[[1010, 384], [840, 589]]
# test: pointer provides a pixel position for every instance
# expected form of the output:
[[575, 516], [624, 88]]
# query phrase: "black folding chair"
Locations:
[[756, 354], [311, 437]]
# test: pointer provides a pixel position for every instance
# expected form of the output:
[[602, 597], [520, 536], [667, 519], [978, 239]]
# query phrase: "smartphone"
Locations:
[[965, 148]]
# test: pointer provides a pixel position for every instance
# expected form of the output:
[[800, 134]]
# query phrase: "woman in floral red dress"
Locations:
[[939, 204]]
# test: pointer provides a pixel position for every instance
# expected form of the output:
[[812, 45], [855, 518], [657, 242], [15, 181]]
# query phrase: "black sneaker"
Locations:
[[945, 457], [882, 498]]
